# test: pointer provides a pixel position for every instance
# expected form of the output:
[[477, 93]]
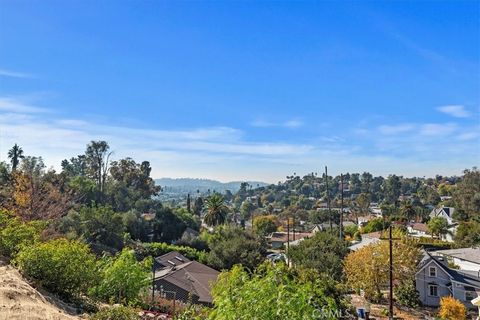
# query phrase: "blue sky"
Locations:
[[245, 90]]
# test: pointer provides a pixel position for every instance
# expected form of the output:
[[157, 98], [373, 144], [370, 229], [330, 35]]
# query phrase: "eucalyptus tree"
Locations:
[[97, 158]]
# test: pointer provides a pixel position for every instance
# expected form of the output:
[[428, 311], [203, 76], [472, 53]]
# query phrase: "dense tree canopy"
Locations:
[[324, 252], [232, 245]]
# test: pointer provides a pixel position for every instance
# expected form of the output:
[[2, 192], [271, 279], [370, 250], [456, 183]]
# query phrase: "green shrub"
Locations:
[[350, 230], [61, 266], [123, 278], [15, 234], [374, 225], [160, 248], [274, 292], [407, 295], [192, 312], [117, 313]]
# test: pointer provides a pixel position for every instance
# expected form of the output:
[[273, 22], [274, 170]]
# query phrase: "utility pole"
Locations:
[[288, 235], [252, 216], [293, 227], [341, 206], [153, 280], [328, 198], [390, 240], [390, 270]]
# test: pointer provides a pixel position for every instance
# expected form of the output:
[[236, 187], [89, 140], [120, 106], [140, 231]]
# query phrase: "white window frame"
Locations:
[[430, 290], [430, 272]]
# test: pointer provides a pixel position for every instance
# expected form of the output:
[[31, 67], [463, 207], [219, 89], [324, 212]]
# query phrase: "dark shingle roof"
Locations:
[[170, 259], [191, 276]]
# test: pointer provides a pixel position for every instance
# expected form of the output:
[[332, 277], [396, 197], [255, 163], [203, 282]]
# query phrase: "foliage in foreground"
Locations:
[[61, 266], [123, 278], [452, 309], [117, 313], [15, 234], [273, 292]]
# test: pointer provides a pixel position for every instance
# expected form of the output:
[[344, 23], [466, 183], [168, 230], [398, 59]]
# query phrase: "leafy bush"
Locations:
[[350, 230], [123, 278], [452, 309], [61, 266], [273, 292], [373, 225], [117, 313], [160, 248], [15, 234], [407, 295], [191, 312]]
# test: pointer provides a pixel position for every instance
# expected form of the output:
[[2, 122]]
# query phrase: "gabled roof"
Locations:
[[283, 236], [419, 227], [192, 277], [463, 277], [448, 211]]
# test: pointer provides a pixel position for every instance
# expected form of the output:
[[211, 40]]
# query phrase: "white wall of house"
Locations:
[[466, 265]]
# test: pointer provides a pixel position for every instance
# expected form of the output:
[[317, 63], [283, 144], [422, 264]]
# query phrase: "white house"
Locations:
[[418, 230], [467, 259], [444, 212]]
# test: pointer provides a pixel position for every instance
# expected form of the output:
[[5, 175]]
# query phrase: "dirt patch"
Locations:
[[20, 301], [377, 311]]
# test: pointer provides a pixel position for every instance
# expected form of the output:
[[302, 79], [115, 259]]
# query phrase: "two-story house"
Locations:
[[435, 279]]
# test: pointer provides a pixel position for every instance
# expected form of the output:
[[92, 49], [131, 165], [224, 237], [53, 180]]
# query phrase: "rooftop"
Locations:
[[467, 254], [191, 276]]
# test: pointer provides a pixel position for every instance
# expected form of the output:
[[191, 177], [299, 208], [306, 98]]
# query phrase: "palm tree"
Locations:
[[15, 154], [408, 211], [216, 210]]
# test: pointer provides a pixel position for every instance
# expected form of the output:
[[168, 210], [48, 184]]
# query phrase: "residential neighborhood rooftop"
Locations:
[[467, 254], [190, 276]]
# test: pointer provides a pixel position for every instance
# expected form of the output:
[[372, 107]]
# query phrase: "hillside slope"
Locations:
[[20, 301]]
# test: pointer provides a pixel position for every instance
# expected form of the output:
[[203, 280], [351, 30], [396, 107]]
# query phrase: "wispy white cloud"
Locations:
[[291, 124], [437, 129], [16, 105], [468, 136], [294, 123], [457, 111], [226, 153], [14, 74], [395, 129], [58, 138]]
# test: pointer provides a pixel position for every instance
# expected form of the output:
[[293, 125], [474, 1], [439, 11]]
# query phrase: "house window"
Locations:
[[432, 271], [433, 290], [470, 295]]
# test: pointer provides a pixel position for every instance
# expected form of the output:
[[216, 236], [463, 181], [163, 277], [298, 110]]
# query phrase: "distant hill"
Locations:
[[183, 186]]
